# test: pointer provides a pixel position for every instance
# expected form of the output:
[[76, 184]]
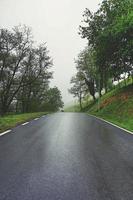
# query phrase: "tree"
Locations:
[[79, 88], [85, 64], [53, 100], [109, 53], [24, 71], [36, 80], [109, 33], [14, 48]]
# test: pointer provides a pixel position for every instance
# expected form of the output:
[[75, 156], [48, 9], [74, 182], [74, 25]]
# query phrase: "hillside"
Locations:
[[116, 106]]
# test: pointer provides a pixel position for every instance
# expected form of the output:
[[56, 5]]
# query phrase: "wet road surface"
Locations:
[[66, 156]]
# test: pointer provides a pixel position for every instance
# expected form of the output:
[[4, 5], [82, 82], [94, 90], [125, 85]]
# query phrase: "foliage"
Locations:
[[79, 88], [53, 100], [109, 55], [24, 71]]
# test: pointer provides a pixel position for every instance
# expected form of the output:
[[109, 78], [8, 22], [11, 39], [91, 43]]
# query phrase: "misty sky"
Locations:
[[55, 22]]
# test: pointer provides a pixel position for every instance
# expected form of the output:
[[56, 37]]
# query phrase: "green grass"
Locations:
[[116, 106], [11, 121]]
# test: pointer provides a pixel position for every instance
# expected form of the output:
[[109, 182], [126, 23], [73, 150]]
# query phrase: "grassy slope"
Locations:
[[10, 121], [116, 106]]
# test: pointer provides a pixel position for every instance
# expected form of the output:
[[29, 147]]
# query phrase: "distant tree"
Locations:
[[85, 64], [79, 88], [53, 100]]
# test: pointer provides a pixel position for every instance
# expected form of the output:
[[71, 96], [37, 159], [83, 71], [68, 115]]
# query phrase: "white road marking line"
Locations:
[[25, 123], [5, 132], [123, 129], [36, 119]]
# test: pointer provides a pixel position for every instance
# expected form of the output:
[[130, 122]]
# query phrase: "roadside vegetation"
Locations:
[[25, 74], [10, 121], [115, 106], [106, 61]]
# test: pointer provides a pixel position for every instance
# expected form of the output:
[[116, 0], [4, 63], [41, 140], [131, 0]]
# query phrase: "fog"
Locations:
[[55, 22]]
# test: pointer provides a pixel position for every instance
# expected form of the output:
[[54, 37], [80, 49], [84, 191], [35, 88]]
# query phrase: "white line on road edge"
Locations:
[[112, 124], [25, 123], [5, 132], [36, 119]]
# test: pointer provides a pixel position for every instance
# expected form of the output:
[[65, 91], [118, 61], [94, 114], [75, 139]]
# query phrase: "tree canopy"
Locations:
[[109, 53], [25, 72]]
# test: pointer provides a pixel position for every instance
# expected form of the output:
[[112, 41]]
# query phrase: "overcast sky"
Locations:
[[55, 22]]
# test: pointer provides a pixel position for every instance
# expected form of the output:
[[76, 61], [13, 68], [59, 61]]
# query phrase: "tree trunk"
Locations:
[[80, 102], [4, 110], [17, 106]]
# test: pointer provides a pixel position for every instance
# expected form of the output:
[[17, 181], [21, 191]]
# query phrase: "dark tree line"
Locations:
[[109, 53], [25, 73]]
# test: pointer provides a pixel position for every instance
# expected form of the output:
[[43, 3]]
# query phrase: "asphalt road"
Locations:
[[66, 156]]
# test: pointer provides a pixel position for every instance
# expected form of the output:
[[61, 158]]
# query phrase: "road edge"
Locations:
[[123, 129], [21, 124]]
